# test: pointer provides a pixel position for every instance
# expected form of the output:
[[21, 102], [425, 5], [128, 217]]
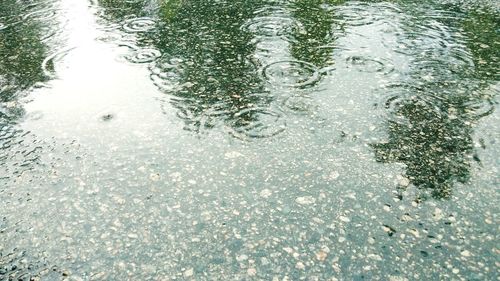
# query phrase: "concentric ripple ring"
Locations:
[[145, 55], [139, 25], [257, 122], [291, 74]]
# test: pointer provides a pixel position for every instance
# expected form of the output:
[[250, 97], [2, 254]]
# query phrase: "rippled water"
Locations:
[[249, 140]]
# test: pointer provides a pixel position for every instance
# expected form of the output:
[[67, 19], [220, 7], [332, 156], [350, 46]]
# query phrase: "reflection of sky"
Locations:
[[91, 82]]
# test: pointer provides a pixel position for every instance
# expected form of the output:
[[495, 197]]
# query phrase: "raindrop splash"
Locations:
[[291, 74], [257, 123], [139, 25]]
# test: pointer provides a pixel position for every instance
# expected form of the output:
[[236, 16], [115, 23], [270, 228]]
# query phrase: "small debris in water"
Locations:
[[107, 117]]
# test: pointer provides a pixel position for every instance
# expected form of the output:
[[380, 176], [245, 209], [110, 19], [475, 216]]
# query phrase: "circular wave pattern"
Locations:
[[480, 110], [291, 74], [166, 74], [300, 105], [271, 21], [139, 25], [197, 117], [145, 55], [270, 26], [370, 65], [441, 99], [361, 14], [257, 123], [49, 64], [42, 14]]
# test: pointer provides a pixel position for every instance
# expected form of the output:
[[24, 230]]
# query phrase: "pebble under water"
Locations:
[[249, 140]]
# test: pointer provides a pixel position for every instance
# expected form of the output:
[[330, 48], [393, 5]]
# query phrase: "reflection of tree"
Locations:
[[22, 52], [431, 123], [317, 31], [205, 64], [432, 137], [482, 28], [219, 80], [120, 10], [21, 55]]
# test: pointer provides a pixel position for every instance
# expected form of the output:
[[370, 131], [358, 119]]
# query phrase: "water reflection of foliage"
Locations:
[[433, 137], [482, 28], [431, 123], [22, 52], [24, 46], [218, 79], [319, 27], [205, 67]]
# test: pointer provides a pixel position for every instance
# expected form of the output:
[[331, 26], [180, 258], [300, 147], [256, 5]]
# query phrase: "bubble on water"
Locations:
[[50, 63], [257, 122], [291, 74], [139, 25], [3, 26]]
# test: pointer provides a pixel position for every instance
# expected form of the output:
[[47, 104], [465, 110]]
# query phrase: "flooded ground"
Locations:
[[249, 140]]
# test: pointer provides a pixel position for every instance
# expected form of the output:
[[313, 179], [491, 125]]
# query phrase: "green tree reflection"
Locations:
[[313, 43], [23, 48], [217, 77], [22, 51], [206, 65], [433, 114]]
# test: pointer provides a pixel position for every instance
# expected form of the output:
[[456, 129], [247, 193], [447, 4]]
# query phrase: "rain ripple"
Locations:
[[291, 73], [41, 15], [140, 55], [139, 25], [257, 123], [272, 22], [370, 65], [144, 55], [444, 99], [361, 13], [50, 63], [300, 104], [166, 75], [197, 116]]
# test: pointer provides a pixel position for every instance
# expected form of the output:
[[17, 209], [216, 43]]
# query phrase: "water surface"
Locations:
[[249, 140]]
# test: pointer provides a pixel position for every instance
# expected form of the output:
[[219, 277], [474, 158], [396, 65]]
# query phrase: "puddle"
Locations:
[[249, 140]]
